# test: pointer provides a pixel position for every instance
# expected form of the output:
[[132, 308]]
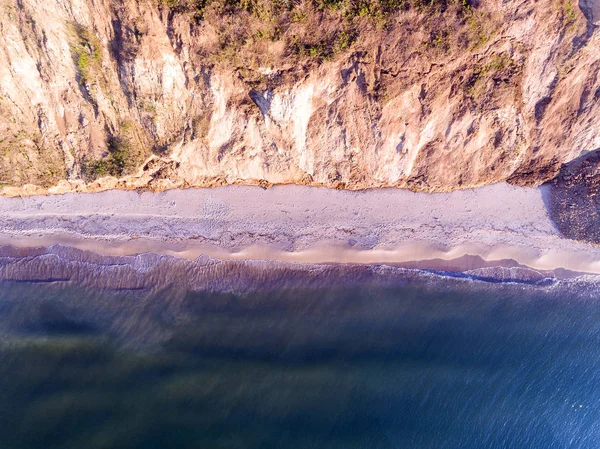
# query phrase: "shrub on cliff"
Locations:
[[124, 156], [309, 30]]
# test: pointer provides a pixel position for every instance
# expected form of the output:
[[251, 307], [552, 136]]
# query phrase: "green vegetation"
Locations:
[[86, 54], [274, 42], [478, 32], [500, 67], [124, 156], [367, 8], [26, 159], [201, 125], [497, 64], [270, 9], [325, 49], [315, 30], [173, 4], [112, 165], [569, 13]]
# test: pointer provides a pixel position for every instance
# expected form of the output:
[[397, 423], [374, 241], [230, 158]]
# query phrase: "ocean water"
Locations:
[[420, 361]]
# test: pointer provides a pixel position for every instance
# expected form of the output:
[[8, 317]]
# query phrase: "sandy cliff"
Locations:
[[98, 94]]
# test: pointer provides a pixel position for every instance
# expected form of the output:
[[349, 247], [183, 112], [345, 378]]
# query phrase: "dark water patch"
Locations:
[[54, 318], [418, 361]]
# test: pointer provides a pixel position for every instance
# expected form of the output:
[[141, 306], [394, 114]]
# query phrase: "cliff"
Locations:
[[425, 94]]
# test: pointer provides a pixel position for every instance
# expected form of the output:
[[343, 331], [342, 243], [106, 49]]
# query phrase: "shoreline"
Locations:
[[306, 225], [151, 272], [411, 256]]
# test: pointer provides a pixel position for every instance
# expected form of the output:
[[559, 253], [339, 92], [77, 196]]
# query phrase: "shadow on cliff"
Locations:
[[591, 10], [572, 198]]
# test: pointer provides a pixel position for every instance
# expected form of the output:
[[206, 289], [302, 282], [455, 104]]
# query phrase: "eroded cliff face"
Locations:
[[98, 94]]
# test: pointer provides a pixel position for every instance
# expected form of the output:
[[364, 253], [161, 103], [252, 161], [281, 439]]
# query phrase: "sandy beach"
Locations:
[[302, 224]]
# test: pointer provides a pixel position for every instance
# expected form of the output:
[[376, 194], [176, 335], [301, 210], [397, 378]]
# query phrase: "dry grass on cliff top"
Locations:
[[293, 36]]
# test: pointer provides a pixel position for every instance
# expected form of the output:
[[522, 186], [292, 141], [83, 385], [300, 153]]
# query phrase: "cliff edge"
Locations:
[[429, 95]]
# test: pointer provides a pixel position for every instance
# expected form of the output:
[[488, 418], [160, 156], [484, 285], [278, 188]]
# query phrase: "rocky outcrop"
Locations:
[[101, 94], [573, 198]]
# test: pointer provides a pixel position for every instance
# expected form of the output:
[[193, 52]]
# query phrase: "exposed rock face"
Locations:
[[88, 87]]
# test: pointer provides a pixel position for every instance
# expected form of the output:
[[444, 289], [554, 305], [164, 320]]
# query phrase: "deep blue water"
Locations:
[[425, 363]]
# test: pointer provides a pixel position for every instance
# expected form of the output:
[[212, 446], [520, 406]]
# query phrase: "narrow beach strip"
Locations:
[[303, 224]]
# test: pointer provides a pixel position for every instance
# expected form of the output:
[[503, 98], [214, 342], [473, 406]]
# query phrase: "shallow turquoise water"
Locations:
[[423, 362]]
